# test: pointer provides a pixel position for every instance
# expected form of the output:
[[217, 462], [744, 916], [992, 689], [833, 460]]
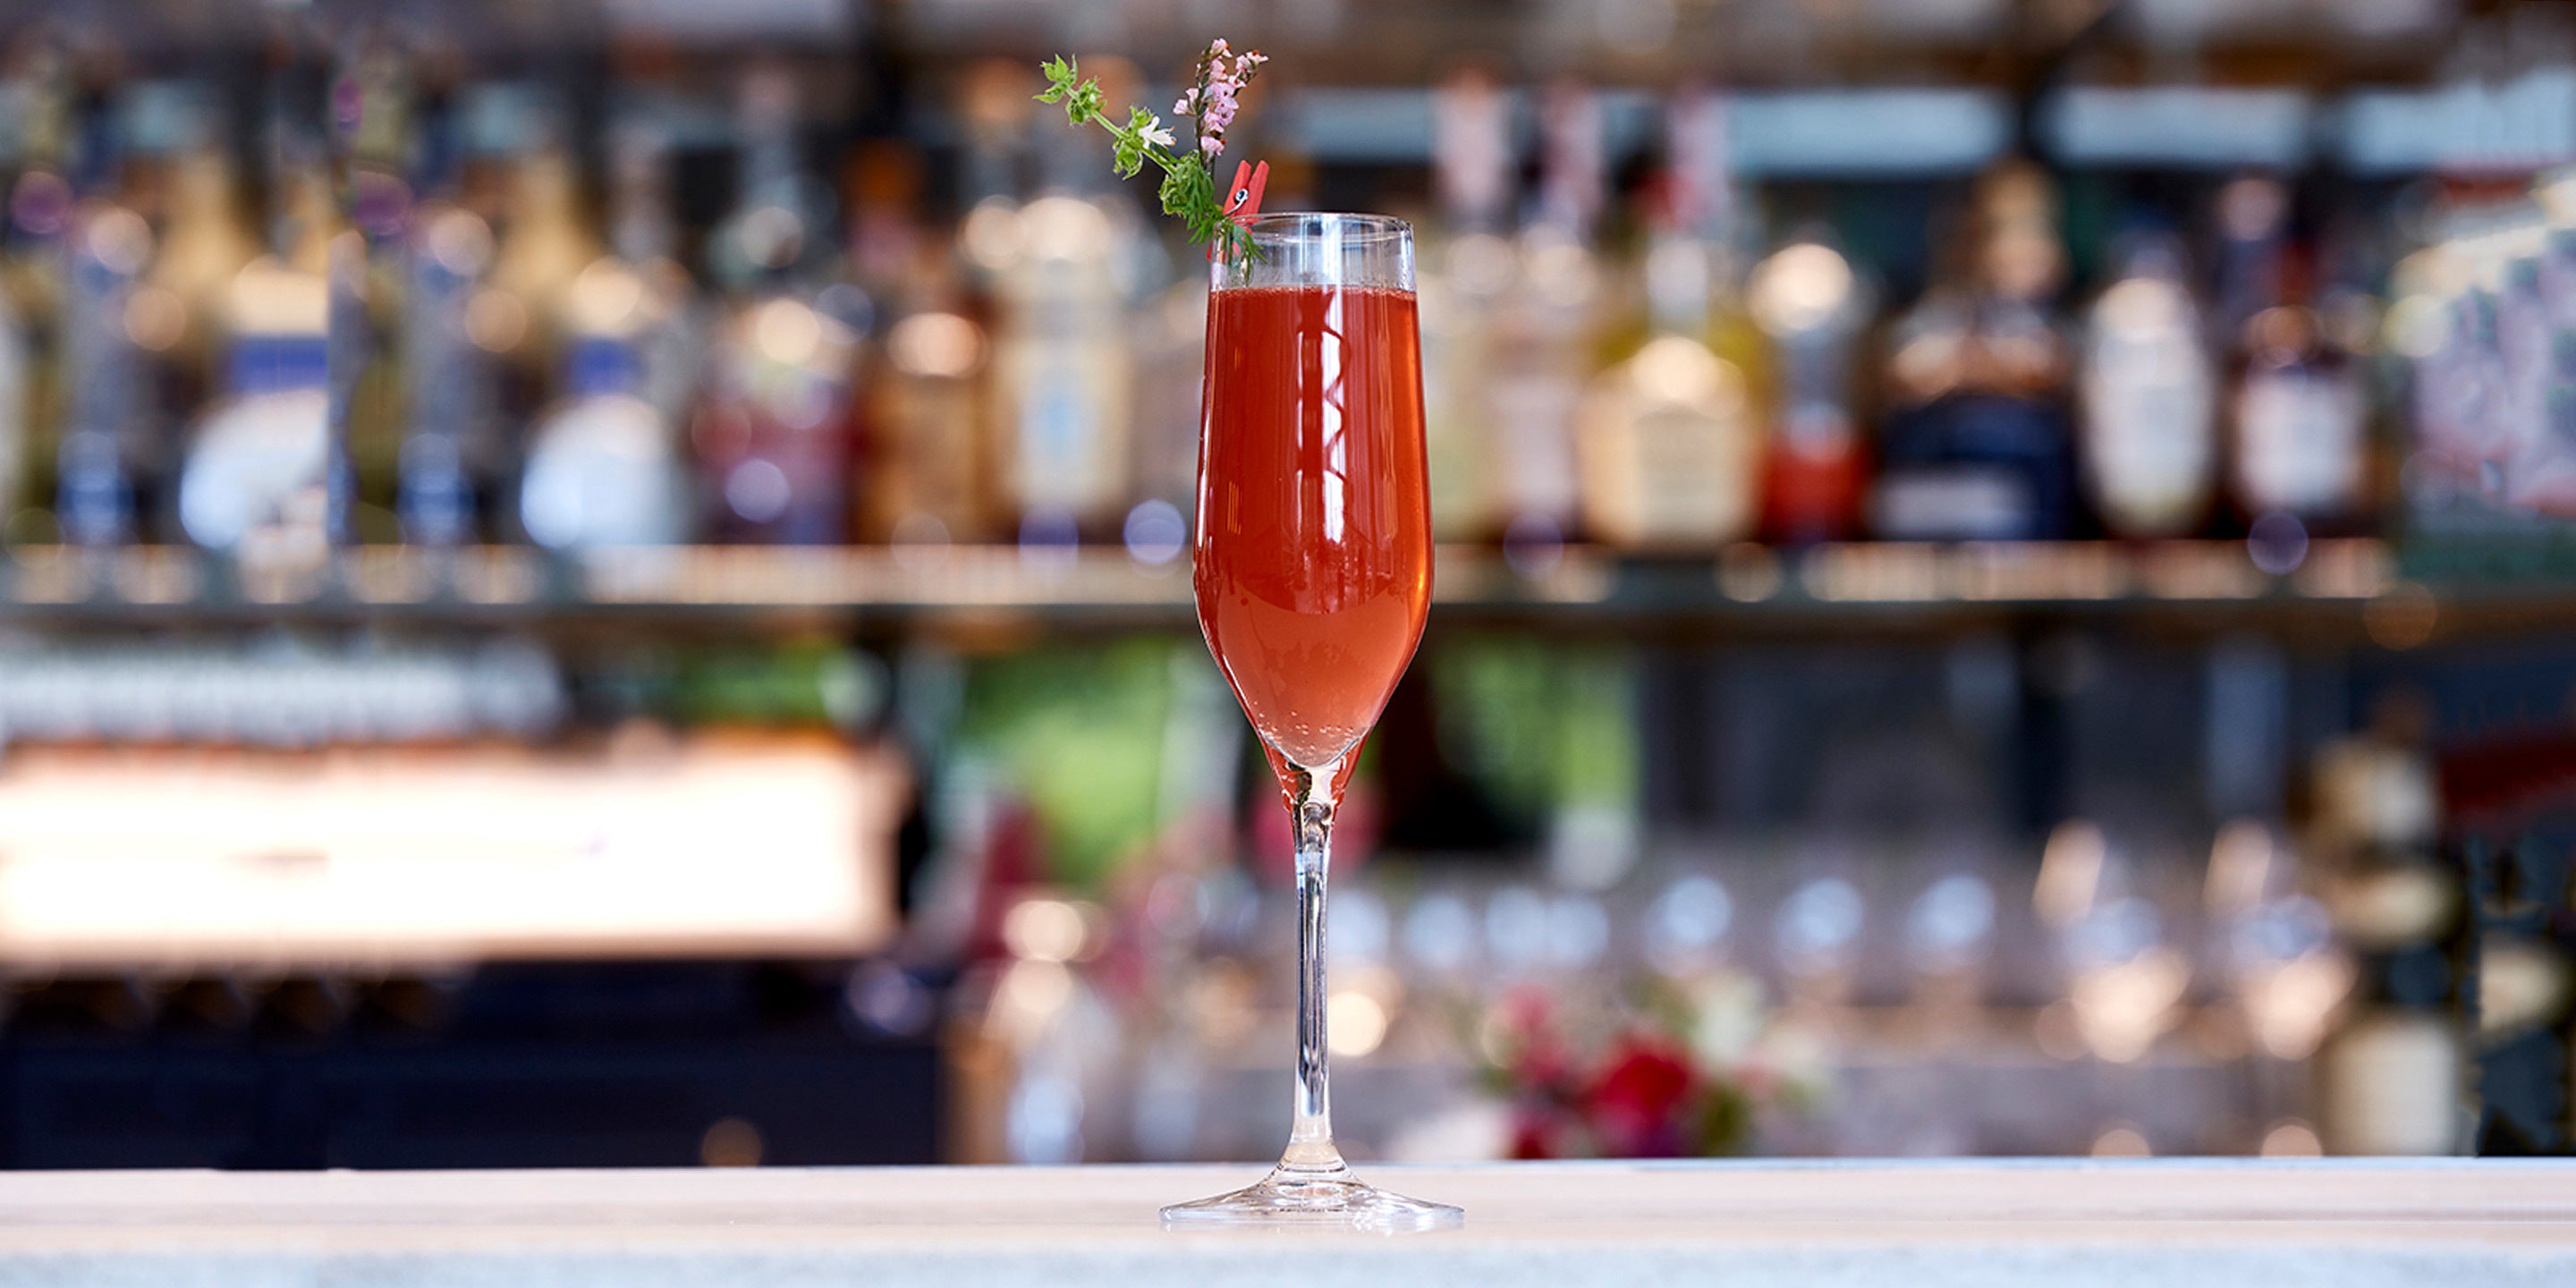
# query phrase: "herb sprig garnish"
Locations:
[[1189, 188]]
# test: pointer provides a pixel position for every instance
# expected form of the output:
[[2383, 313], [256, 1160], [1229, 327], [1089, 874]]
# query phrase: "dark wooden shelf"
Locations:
[[2353, 583]]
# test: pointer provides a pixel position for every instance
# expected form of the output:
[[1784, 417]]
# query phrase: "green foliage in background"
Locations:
[[1541, 724], [812, 683], [1081, 731]]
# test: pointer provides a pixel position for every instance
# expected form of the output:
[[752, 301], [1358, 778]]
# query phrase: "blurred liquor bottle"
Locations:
[[2518, 888], [545, 242], [922, 401], [2392, 1073], [2149, 396], [1812, 307], [206, 241], [2353, 265], [315, 240], [2250, 231], [1669, 436], [1715, 207], [772, 428], [106, 421], [449, 416], [1546, 336], [258, 479], [1063, 375], [256, 482], [17, 404], [379, 131], [437, 380], [2299, 448], [1468, 267], [1977, 445], [39, 215], [383, 148], [604, 466], [670, 325], [1171, 365], [182, 172], [1063, 357], [932, 413]]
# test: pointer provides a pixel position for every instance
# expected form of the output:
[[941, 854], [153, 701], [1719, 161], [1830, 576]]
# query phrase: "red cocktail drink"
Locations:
[[1314, 572], [1314, 526]]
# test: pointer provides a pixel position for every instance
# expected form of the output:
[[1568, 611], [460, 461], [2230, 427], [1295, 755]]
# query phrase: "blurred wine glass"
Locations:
[[2279, 973], [2124, 981]]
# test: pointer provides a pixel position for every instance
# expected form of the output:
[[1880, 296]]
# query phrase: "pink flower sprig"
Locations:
[[1212, 102], [1189, 188]]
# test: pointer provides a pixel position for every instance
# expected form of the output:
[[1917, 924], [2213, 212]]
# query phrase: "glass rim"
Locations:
[[1352, 227]]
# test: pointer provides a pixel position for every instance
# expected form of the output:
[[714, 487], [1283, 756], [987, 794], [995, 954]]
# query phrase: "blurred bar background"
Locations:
[[599, 582]]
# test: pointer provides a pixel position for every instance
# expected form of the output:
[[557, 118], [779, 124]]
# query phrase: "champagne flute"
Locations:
[[1313, 572]]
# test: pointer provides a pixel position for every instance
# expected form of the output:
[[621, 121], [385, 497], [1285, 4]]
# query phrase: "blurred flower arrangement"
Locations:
[[1683, 1069]]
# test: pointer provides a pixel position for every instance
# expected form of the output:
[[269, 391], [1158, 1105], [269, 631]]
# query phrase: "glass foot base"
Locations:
[[1333, 1197]]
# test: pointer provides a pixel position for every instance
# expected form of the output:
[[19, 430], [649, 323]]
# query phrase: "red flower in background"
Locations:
[[1644, 1093], [1639, 1103], [1538, 1058], [1534, 1135]]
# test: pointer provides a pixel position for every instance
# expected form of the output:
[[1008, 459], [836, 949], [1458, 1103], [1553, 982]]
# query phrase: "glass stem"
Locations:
[[1310, 1137]]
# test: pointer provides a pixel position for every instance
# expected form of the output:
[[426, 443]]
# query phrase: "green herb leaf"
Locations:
[[1059, 74], [1188, 189]]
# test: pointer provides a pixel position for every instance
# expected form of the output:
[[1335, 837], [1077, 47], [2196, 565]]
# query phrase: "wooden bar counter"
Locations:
[[1994, 1224]]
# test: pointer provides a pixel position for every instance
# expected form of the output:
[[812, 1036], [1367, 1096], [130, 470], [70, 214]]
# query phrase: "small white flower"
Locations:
[[1156, 134]]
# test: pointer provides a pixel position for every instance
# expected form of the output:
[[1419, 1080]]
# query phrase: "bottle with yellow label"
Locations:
[[1670, 437], [1468, 264]]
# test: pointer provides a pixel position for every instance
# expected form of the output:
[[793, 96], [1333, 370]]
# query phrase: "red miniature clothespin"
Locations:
[[1243, 196]]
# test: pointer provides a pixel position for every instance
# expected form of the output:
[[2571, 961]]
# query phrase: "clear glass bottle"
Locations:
[[1711, 203], [2149, 397], [1064, 373], [669, 326], [37, 229], [16, 398], [450, 423], [105, 412], [772, 429], [772, 426], [1545, 342], [544, 241], [931, 425], [1670, 440], [1468, 279]]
